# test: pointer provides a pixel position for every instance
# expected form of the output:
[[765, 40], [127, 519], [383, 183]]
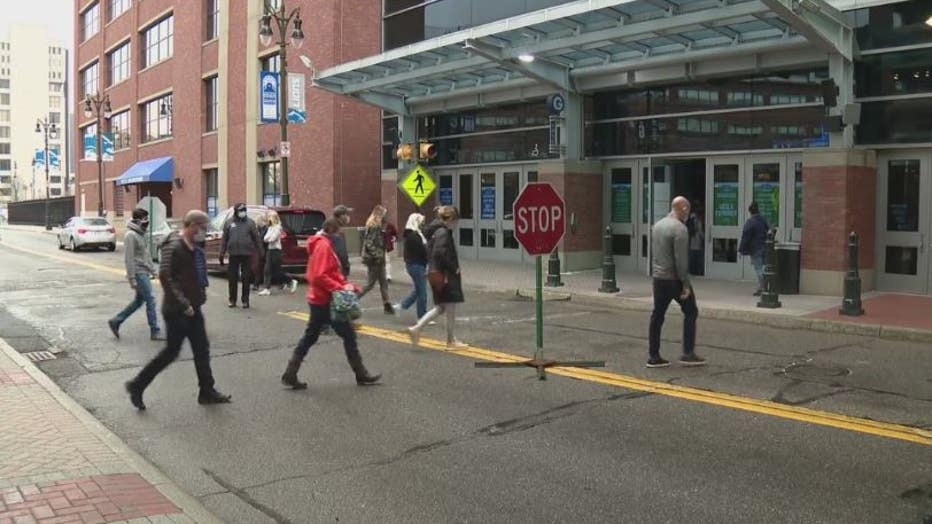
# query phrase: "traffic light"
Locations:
[[405, 152], [427, 151], [829, 93]]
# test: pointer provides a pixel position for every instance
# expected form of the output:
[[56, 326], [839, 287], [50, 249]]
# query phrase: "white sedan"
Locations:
[[81, 232]]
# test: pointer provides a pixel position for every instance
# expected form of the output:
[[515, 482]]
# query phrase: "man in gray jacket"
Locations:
[[242, 242], [139, 271], [670, 269]]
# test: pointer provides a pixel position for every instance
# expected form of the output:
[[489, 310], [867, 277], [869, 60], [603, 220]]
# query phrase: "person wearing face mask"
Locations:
[[242, 241], [139, 272], [182, 306]]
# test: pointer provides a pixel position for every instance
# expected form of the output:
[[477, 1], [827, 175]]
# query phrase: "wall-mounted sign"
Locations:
[[269, 87]]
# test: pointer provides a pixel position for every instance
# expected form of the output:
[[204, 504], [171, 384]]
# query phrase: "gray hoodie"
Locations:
[[136, 253]]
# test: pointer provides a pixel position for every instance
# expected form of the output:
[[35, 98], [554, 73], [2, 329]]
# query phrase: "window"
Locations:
[[55, 87], [4, 148], [54, 102], [4, 99], [5, 164], [745, 98], [212, 104], [4, 115], [5, 83], [389, 142], [891, 25], [6, 179], [271, 183], [157, 119], [90, 130], [55, 191], [119, 64], [55, 118], [697, 125], [118, 7], [4, 132], [210, 185], [272, 63], [890, 74], [213, 20], [119, 126], [159, 42], [701, 96], [91, 21], [89, 79]]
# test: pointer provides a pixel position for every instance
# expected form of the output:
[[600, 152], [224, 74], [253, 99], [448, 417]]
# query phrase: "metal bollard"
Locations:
[[851, 305], [769, 298], [553, 269], [609, 284]]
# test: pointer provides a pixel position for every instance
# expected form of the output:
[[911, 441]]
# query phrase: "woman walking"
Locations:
[[273, 258], [444, 275], [415, 253], [325, 280], [373, 256]]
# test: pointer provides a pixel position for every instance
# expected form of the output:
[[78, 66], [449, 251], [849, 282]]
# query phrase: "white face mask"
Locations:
[[241, 214], [200, 236]]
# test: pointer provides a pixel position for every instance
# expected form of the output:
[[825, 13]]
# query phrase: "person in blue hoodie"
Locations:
[[753, 243]]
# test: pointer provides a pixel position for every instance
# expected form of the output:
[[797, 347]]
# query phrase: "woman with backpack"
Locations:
[[373, 256], [444, 275]]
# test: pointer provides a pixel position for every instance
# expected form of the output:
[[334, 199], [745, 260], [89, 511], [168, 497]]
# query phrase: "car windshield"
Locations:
[[302, 223], [94, 222]]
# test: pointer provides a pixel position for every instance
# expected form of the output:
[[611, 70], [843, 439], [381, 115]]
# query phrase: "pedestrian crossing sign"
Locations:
[[418, 185]]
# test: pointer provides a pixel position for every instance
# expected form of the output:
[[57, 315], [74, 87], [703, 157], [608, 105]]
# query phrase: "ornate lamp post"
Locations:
[[282, 19], [99, 107], [43, 126]]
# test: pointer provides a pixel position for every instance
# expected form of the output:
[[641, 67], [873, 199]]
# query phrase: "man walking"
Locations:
[[181, 306], [139, 271], [754, 242], [241, 240], [670, 270], [343, 215]]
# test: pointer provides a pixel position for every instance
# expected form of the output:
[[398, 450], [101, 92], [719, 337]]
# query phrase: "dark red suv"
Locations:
[[298, 223]]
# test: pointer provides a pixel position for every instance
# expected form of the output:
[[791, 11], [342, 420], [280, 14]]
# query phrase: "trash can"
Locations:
[[788, 268]]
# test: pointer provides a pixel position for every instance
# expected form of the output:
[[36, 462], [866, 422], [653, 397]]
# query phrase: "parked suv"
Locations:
[[298, 223]]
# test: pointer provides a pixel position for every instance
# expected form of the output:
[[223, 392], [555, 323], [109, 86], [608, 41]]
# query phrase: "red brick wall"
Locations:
[[836, 201], [583, 196]]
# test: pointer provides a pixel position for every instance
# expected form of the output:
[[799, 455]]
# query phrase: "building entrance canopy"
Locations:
[[587, 45]]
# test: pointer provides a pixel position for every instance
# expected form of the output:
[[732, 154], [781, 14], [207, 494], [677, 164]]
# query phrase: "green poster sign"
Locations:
[[726, 204], [798, 214], [767, 196], [621, 203]]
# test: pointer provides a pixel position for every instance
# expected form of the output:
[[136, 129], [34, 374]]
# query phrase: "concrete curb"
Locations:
[[191, 507]]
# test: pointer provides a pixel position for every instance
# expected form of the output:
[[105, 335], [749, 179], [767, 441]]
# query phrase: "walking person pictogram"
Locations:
[[419, 189]]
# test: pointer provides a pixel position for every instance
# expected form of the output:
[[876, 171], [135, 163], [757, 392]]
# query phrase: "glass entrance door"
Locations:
[[904, 222], [498, 189], [621, 212], [725, 188]]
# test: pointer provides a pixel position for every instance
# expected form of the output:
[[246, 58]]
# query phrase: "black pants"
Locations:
[[320, 316], [239, 269], [273, 269], [666, 291], [180, 327]]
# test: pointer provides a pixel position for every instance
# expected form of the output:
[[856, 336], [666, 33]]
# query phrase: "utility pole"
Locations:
[[43, 126], [100, 107]]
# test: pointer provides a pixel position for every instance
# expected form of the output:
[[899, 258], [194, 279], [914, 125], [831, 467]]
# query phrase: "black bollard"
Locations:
[[851, 305], [553, 269], [609, 284], [769, 298]]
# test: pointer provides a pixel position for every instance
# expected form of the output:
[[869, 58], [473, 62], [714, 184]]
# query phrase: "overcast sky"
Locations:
[[56, 15]]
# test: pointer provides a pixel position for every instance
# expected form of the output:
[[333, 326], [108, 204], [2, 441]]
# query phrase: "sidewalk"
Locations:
[[58, 464], [887, 315]]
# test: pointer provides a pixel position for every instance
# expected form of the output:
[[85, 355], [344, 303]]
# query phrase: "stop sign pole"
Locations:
[[540, 223]]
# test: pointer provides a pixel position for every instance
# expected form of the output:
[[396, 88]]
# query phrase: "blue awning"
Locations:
[[155, 170]]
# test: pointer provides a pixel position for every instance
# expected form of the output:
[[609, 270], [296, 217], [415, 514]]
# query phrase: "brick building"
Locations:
[[182, 79]]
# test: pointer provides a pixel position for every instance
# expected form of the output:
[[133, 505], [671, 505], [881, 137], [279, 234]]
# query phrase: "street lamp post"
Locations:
[[99, 107], [282, 20], [43, 126]]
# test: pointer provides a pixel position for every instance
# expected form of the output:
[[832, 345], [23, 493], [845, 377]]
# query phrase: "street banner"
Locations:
[[269, 87], [54, 162], [297, 107], [90, 147]]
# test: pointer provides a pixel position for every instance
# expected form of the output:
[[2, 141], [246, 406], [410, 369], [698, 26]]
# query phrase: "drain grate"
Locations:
[[39, 356]]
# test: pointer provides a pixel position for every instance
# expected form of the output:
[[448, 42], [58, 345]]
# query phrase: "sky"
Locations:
[[56, 15]]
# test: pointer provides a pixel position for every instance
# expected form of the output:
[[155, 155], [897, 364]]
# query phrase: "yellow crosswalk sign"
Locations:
[[418, 185]]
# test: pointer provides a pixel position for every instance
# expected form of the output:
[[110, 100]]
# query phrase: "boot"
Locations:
[[290, 377], [363, 378], [389, 308]]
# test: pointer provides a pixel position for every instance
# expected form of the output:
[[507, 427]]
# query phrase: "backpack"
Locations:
[[344, 306], [372, 247]]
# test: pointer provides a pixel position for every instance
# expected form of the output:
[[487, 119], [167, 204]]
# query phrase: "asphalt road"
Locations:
[[442, 441]]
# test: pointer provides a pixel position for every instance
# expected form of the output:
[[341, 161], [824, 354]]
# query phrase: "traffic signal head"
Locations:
[[829, 93], [427, 151], [405, 152]]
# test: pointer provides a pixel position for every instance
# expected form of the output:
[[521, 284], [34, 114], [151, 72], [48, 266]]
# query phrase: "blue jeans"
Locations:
[[143, 296], [418, 273], [757, 260]]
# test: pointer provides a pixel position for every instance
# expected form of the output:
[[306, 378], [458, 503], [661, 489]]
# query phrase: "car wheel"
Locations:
[[111, 247], [60, 245], [74, 246]]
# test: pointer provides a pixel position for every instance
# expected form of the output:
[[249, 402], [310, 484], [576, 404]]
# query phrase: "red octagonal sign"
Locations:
[[540, 218]]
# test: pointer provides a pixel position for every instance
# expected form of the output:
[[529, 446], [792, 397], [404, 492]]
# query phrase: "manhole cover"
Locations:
[[38, 356], [815, 371]]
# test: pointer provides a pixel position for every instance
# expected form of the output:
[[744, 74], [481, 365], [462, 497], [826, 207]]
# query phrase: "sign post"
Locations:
[[540, 223]]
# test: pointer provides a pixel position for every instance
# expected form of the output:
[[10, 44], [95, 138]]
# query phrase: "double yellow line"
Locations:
[[763, 407]]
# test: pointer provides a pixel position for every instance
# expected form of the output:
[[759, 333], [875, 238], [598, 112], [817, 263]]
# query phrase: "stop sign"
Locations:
[[540, 218]]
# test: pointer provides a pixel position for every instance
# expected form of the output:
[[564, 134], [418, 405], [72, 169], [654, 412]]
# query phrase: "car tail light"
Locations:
[[111, 230], [82, 231]]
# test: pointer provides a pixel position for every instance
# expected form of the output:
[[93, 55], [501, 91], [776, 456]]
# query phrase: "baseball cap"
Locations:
[[341, 210]]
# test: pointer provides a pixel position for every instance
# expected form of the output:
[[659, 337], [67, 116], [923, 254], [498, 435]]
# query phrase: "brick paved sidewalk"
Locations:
[[59, 465]]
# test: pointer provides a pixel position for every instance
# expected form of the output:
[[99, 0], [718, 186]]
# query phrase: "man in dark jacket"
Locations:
[[139, 272], [753, 243], [343, 215], [181, 308], [242, 241]]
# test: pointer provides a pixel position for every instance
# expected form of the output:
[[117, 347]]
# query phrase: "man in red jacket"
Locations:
[[324, 277]]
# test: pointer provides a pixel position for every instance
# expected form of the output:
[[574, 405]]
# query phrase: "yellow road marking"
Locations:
[[763, 407], [98, 267]]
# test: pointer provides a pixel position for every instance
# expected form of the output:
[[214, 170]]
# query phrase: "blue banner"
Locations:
[[446, 196], [54, 158], [90, 147], [269, 92], [488, 203]]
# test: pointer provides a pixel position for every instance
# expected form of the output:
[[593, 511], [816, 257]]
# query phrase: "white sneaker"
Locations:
[[415, 335], [397, 307], [293, 286], [456, 344], [432, 323], [265, 292]]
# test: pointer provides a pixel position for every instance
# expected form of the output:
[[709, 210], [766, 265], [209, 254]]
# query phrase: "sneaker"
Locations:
[[265, 292], [415, 335], [246, 304], [365, 379], [157, 336], [292, 286], [135, 395], [389, 309], [397, 307], [692, 360], [657, 362], [231, 304], [456, 344], [213, 397], [758, 293], [114, 327]]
